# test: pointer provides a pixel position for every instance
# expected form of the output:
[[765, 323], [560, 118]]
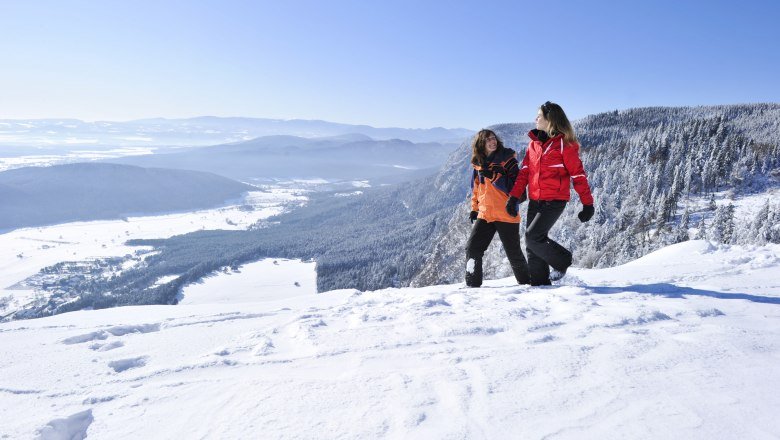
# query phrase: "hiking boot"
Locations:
[[556, 274]]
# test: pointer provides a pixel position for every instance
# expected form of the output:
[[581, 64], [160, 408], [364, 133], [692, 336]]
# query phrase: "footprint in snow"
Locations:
[[642, 319], [474, 331], [125, 364], [543, 339], [106, 347], [119, 330], [257, 344], [545, 326], [264, 347], [72, 427], [709, 313], [435, 302]]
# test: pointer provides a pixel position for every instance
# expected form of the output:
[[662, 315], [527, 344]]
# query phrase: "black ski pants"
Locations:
[[481, 235], [542, 251]]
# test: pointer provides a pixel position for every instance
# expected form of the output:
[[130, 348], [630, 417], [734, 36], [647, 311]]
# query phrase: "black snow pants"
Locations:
[[481, 235], [543, 252]]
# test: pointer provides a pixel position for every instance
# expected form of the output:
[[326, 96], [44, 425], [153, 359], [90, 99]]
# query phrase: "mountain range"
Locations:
[[350, 156], [199, 131]]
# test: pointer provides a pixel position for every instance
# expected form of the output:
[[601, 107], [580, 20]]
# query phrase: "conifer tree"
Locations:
[[702, 234], [760, 232], [682, 228], [723, 225]]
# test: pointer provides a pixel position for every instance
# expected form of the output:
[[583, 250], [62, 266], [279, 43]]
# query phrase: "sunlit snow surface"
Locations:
[[683, 343], [268, 279]]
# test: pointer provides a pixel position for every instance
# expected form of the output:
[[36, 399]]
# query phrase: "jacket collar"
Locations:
[[500, 155], [542, 137]]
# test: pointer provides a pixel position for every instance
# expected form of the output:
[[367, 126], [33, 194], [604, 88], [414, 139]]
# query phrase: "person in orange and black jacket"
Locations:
[[551, 162], [494, 174]]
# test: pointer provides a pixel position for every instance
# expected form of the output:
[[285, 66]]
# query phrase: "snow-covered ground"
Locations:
[[268, 279], [745, 206], [683, 343]]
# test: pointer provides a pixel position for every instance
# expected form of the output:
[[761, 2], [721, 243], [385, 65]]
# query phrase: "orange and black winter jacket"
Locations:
[[489, 195], [549, 168]]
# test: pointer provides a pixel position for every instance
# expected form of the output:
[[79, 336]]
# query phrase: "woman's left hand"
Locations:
[[586, 213]]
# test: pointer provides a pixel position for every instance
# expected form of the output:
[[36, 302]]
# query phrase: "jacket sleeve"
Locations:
[[522, 178], [474, 185], [573, 164]]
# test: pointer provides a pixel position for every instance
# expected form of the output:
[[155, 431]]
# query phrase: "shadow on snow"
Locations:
[[672, 291]]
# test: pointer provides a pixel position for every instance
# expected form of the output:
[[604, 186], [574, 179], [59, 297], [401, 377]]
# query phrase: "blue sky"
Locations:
[[382, 63]]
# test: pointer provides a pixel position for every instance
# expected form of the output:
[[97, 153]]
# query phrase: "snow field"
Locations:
[[261, 280], [651, 359]]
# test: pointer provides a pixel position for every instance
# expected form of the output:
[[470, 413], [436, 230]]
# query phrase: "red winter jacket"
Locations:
[[547, 168]]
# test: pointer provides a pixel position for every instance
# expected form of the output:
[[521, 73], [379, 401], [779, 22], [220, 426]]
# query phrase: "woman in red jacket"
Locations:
[[495, 171], [551, 162]]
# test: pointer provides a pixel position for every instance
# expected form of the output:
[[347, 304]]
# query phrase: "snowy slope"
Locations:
[[683, 343], [264, 280]]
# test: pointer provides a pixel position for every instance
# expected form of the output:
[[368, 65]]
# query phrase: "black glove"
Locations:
[[511, 206], [473, 216], [586, 213], [486, 173], [523, 197]]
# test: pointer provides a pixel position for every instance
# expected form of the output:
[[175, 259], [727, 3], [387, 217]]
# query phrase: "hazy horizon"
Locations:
[[208, 116]]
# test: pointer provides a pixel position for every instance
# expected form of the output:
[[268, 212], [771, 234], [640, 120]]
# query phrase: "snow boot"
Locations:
[[474, 272], [556, 275]]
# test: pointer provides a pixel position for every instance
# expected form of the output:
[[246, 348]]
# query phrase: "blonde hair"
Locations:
[[558, 122]]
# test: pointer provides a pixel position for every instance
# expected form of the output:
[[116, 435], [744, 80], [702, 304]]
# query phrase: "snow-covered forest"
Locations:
[[659, 176], [658, 172]]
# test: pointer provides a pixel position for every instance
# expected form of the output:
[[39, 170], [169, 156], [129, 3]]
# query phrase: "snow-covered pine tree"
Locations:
[[723, 225], [682, 228], [759, 231], [702, 233], [771, 228]]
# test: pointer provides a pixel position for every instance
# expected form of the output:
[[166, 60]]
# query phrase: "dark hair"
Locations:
[[559, 123], [478, 153]]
